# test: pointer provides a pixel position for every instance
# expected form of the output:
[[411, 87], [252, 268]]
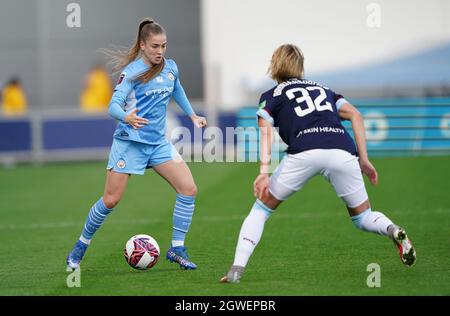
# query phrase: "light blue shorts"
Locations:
[[133, 157]]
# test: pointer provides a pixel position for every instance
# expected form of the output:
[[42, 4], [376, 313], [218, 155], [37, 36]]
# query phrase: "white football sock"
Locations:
[[251, 232], [176, 243], [375, 222]]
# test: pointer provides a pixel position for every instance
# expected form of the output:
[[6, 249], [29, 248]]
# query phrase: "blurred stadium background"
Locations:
[[389, 58], [397, 73]]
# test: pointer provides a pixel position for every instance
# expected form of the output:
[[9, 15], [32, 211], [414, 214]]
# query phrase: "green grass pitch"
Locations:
[[309, 246]]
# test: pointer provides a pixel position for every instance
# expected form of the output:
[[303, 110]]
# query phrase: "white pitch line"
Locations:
[[126, 222], [281, 215]]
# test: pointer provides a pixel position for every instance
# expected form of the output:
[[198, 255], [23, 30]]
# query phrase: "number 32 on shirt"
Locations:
[[318, 103]]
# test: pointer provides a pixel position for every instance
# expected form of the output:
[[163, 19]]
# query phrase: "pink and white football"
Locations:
[[141, 252]]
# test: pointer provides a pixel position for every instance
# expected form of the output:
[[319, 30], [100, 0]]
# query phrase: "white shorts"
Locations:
[[339, 167]]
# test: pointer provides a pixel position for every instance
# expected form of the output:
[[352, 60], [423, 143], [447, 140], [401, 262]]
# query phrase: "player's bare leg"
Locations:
[[178, 175], [115, 186]]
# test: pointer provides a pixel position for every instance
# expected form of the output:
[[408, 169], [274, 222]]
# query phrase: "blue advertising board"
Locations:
[[395, 126]]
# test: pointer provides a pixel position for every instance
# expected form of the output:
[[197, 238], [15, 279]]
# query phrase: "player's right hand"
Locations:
[[261, 186], [368, 169], [134, 120]]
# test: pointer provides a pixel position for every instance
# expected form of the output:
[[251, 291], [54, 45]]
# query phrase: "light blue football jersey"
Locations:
[[149, 98]]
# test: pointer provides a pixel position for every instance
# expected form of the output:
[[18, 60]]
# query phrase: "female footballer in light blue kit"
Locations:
[[139, 102]]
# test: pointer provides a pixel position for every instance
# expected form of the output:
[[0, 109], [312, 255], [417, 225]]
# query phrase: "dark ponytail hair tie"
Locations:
[[145, 22]]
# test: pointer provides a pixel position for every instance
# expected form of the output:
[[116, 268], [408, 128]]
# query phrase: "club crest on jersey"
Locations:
[[122, 75], [121, 164], [159, 79], [171, 76]]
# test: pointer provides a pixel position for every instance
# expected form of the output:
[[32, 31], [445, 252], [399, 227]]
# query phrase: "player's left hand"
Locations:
[[368, 169], [261, 185], [199, 121]]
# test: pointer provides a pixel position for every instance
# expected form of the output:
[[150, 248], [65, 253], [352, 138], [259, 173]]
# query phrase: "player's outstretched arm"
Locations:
[[181, 99], [349, 112]]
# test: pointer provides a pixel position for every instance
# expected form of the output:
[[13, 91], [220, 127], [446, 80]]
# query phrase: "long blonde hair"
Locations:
[[287, 62], [121, 58]]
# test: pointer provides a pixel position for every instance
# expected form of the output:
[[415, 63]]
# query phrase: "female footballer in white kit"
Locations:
[[308, 116]]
